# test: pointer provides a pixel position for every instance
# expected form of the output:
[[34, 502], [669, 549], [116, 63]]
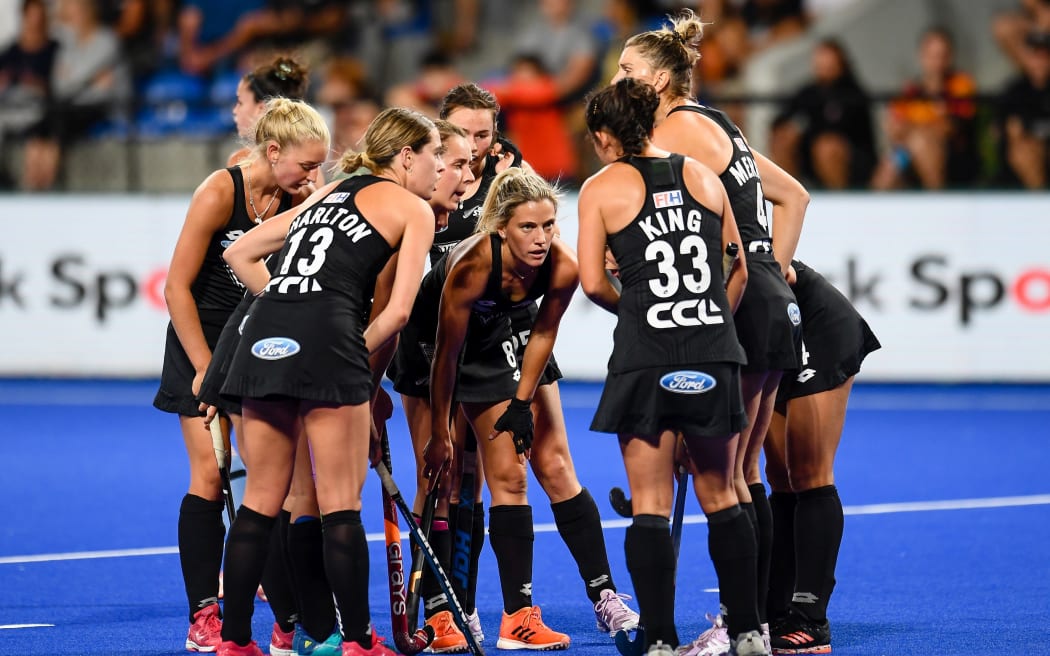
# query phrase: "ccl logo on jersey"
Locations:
[[688, 382], [275, 348]]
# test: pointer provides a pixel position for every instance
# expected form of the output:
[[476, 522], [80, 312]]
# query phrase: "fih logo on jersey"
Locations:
[[794, 314], [336, 198], [275, 348], [667, 199], [688, 382]]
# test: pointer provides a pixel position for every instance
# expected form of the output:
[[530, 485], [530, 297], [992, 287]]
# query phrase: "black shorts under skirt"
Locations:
[[836, 339], [698, 400], [221, 357]]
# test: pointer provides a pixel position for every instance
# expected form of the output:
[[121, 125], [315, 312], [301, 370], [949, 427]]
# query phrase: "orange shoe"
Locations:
[[448, 639], [525, 630]]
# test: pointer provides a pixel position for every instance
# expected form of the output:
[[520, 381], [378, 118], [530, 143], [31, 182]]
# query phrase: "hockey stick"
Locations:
[[218, 443], [415, 578], [464, 526], [460, 617], [406, 641]]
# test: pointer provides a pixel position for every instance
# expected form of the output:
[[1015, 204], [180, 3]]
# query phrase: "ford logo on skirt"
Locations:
[[688, 382], [275, 348]]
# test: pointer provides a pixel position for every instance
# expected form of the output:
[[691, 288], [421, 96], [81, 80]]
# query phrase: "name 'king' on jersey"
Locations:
[[673, 306]]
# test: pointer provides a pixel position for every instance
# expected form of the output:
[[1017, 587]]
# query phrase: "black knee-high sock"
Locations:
[[731, 542], [346, 563], [246, 553], [580, 527], [818, 534], [276, 579], [651, 562], [434, 600], [511, 533], [764, 524], [313, 594], [782, 561], [477, 541], [201, 532]]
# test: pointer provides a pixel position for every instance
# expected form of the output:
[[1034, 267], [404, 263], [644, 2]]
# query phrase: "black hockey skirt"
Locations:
[[836, 339], [176, 378], [221, 357], [701, 399], [768, 321], [488, 367], [311, 350]]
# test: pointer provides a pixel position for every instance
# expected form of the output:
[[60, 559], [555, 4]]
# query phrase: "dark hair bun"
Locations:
[[284, 77]]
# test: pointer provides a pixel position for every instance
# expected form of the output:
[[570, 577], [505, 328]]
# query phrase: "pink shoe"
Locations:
[[377, 649], [205, 632], [281, 642], [230, 648]]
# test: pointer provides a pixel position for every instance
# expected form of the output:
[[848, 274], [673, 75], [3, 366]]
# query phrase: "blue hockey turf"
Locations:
[[945, 548]]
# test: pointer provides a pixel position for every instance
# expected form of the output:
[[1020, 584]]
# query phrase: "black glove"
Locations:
[[517, 420]]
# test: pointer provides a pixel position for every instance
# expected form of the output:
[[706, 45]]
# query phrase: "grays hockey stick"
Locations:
[[460, 617]]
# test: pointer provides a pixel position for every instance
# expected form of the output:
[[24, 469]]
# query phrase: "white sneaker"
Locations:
[[748, 644], [612, 615], [474, 622], [660, 648], [712, 642]]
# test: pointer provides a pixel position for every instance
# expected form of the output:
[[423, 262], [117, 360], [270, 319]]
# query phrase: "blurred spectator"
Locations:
[[10, 15], [462, 35], [89, 81], [390, 38], [437, 75], [283, 77], [930, 127], [347, 100], [565, 46], [533, 119], [623, 19], [143, 27], [1011, 28], [205, 29], [771, 21], [1025, 111], [824, 134], [25, 72]]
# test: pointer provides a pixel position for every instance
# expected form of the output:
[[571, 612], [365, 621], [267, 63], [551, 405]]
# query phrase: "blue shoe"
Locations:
[[304, 645]]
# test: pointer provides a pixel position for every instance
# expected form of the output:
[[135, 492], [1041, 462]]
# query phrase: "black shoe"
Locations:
[[797, 634]]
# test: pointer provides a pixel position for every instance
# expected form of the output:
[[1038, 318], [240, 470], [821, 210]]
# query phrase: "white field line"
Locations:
[[870, 509]]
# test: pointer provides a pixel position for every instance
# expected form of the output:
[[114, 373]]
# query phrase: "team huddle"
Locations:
[[284, 332]]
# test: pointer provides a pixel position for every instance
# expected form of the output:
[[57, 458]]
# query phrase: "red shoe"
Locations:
[[281, 642], [205, 632], [377, 649], [230, 648]]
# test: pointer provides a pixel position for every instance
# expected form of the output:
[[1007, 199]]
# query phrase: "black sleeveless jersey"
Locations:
[[331, 249], [673, 307], [463, 220], [215, 287], [740, 179]]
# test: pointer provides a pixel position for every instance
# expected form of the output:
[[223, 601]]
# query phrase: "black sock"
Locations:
[[346, 563], [246, 553], [477, 542], [764, 524], [651, 562], [313, 594], [434, 600], [511, 533], [201, 532], [580, 527], [276, 580], [818, 534], [782, 561], [731, 542]]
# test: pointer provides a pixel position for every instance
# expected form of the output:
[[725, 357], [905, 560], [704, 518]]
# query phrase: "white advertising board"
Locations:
[[957, 287]]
